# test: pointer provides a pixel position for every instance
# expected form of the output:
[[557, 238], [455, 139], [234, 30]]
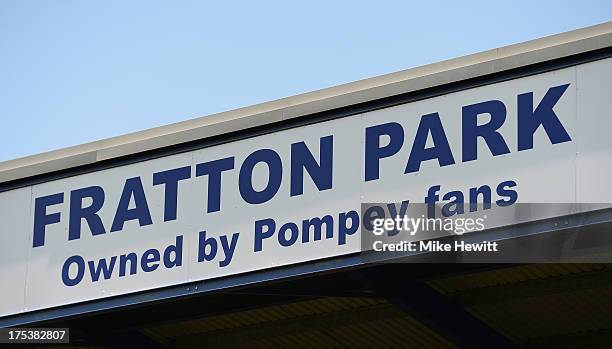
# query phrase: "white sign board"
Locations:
[[257, 203]]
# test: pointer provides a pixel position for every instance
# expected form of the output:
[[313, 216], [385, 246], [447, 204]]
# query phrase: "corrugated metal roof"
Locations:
[[540, 303], [534, 306], [531, 318], [330, 322], [505, 276]]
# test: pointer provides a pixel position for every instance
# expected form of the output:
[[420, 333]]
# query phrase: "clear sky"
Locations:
[[77, 71]]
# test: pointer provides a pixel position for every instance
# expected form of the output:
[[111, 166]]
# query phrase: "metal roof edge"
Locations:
[[414, 79]]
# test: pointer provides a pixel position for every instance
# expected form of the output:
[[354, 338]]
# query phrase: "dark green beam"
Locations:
[[270, 329], [446, 317]]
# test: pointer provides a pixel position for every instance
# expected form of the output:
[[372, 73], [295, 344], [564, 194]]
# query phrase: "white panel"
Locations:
[[15, 239], [595, 132], [45, 263], [548, 173], [282, 208], [544, 174]]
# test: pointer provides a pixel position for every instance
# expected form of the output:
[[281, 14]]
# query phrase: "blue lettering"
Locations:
[[345, 230], [177, 250], [170, 179], [374, 151], [133, 187], [205, 244], [429, 123], [510, 195], [213, 169], [261, 234], [471, 130], [294, 233], [150, 260], [302, 158], [102, 268], [123, 259], [42, 219], [530, 120], [228, 249], [275, 170], [90, 213], [80, 265], [317, 226]]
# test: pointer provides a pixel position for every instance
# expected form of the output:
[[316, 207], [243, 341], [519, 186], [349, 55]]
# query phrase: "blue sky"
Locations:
[[77, 71]]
